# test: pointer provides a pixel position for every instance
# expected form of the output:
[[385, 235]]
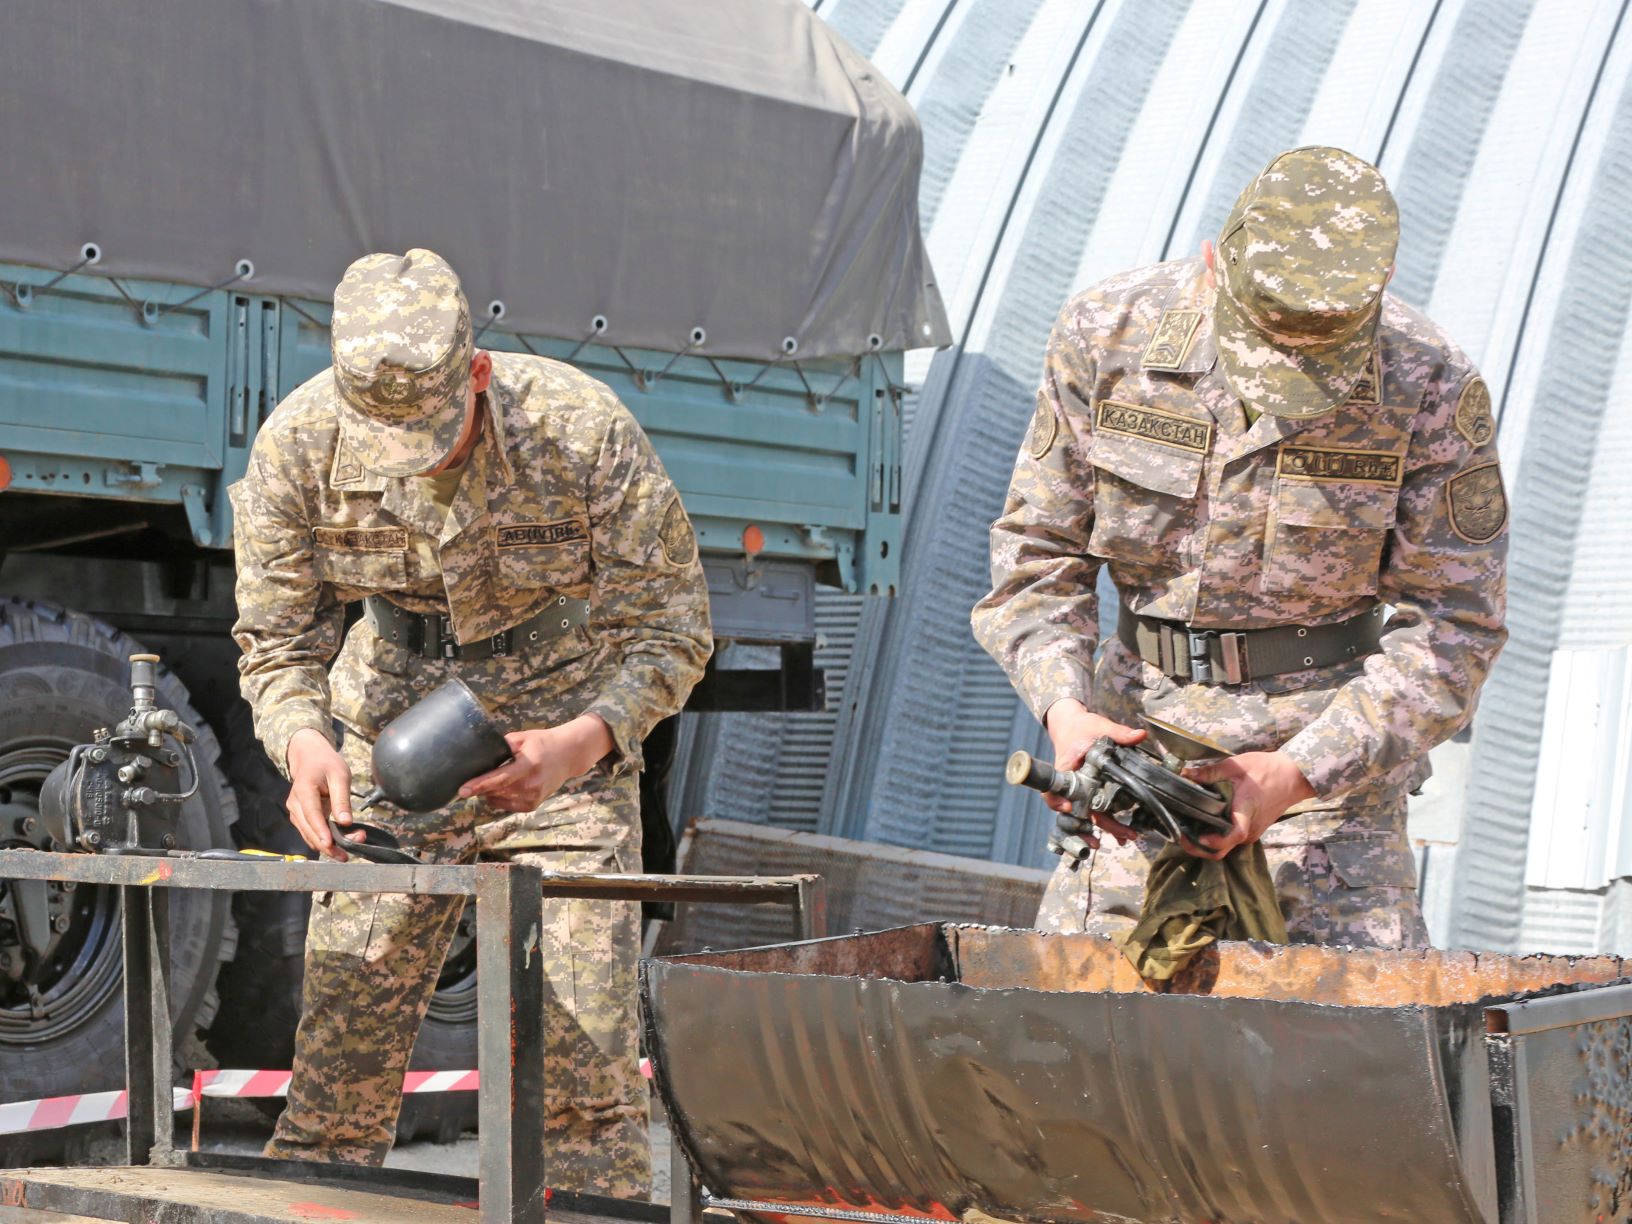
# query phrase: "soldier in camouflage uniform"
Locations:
[[508, 524], [1268, 451]]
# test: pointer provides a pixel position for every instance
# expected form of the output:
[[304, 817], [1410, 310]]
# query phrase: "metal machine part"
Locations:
[[1130, 785], [425, 754], [120, 794]]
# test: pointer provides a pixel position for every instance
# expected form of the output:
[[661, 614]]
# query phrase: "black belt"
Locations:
[[430, 634], [1223, 656]]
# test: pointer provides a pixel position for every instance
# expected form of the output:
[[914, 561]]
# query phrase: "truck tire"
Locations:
[[260, 989], [62, 676]]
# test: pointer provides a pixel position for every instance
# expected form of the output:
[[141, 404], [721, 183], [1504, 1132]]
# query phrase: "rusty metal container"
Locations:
[[961, 1073]]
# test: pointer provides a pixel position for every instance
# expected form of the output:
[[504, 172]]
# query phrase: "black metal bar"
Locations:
[[136, 936], [509, 1043]]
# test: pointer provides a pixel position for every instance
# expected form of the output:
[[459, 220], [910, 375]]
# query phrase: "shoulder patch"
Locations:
[[679, 541], [1044, 429], [1477, 503], [1369, 390], [1473, 419], [1154, 425], [1171, 340]]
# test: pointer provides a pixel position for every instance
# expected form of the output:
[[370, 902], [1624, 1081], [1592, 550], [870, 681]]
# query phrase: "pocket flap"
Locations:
[[1150, 465], [1358, 507], [367, 569], [1373, 862]]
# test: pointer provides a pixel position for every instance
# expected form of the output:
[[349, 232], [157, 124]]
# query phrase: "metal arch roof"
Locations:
[[1066, 140]]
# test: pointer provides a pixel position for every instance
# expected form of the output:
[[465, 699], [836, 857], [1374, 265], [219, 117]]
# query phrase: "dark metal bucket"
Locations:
[[425, 754], [969, 1073]]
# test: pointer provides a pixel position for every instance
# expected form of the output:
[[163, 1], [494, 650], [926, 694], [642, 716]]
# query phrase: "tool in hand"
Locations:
[[1134, 785]]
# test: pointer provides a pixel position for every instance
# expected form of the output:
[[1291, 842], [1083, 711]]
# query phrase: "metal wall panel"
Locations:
[[1548, 496], [1065, 141]]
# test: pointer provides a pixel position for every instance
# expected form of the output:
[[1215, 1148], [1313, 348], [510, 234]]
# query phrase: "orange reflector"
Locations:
[[753, 541], [5, 474]]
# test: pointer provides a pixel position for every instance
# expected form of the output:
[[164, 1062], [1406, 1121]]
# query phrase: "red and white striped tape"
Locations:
[[53, 1112], [276, 1083]]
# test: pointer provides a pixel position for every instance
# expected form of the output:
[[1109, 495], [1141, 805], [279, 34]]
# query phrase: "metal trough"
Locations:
[[959, 1072]]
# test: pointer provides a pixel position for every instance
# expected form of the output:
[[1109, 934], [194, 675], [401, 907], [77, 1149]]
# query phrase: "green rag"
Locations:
[[1190, 902]]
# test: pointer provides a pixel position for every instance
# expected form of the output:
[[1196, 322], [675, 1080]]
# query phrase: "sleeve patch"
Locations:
[[679, 542], [1473, 419], [1478, 503], [1044, 429]]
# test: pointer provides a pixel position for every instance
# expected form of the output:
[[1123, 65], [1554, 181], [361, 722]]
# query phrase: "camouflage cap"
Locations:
[[1302, 261], [401, 342]]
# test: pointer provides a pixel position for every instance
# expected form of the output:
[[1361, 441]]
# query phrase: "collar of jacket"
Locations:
[[405, 496]]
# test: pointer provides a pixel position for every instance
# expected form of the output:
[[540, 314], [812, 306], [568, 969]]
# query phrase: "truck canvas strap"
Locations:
[[430, 634], [1221, 656]]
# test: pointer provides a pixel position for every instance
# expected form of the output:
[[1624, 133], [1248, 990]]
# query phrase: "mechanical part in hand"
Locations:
[[121, 794], [1128, 785], [376, 845], [426, 753], [1186, 746]]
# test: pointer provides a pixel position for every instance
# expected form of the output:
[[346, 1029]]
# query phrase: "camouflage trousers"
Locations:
[[1344, 875], [372, 964]]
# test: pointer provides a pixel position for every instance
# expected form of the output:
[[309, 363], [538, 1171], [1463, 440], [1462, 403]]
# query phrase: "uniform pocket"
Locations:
[[1327, 539], [359, 572], [544, 555], [341, 923], [1144, 500], [1372, 862]]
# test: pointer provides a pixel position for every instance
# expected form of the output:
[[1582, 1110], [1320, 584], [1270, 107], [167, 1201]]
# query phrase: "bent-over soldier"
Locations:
[[504, 521], [1269, 452]]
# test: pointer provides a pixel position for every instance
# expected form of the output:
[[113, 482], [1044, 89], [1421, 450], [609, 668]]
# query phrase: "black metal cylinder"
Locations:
[[425, 754]]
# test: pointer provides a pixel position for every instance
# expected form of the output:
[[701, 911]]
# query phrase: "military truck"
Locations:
[[711, 208]]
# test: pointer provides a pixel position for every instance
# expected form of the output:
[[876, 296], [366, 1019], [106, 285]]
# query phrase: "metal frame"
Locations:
[[1522, 1041], [510, 978]]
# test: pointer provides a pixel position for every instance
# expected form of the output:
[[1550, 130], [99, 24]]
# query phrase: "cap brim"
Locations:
[[1283, 380], [396, 450]]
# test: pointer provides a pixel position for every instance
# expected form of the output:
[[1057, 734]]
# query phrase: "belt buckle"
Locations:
[[447, 646], [1231, 656], [499, 644], [1201, 663]]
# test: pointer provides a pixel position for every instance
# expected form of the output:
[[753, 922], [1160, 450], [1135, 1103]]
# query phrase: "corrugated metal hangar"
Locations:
[[1067, 140]]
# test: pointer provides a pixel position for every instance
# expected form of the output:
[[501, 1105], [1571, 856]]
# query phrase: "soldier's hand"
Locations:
[[319, 787], [1073, 728], [543, 759], [1265, 783]]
